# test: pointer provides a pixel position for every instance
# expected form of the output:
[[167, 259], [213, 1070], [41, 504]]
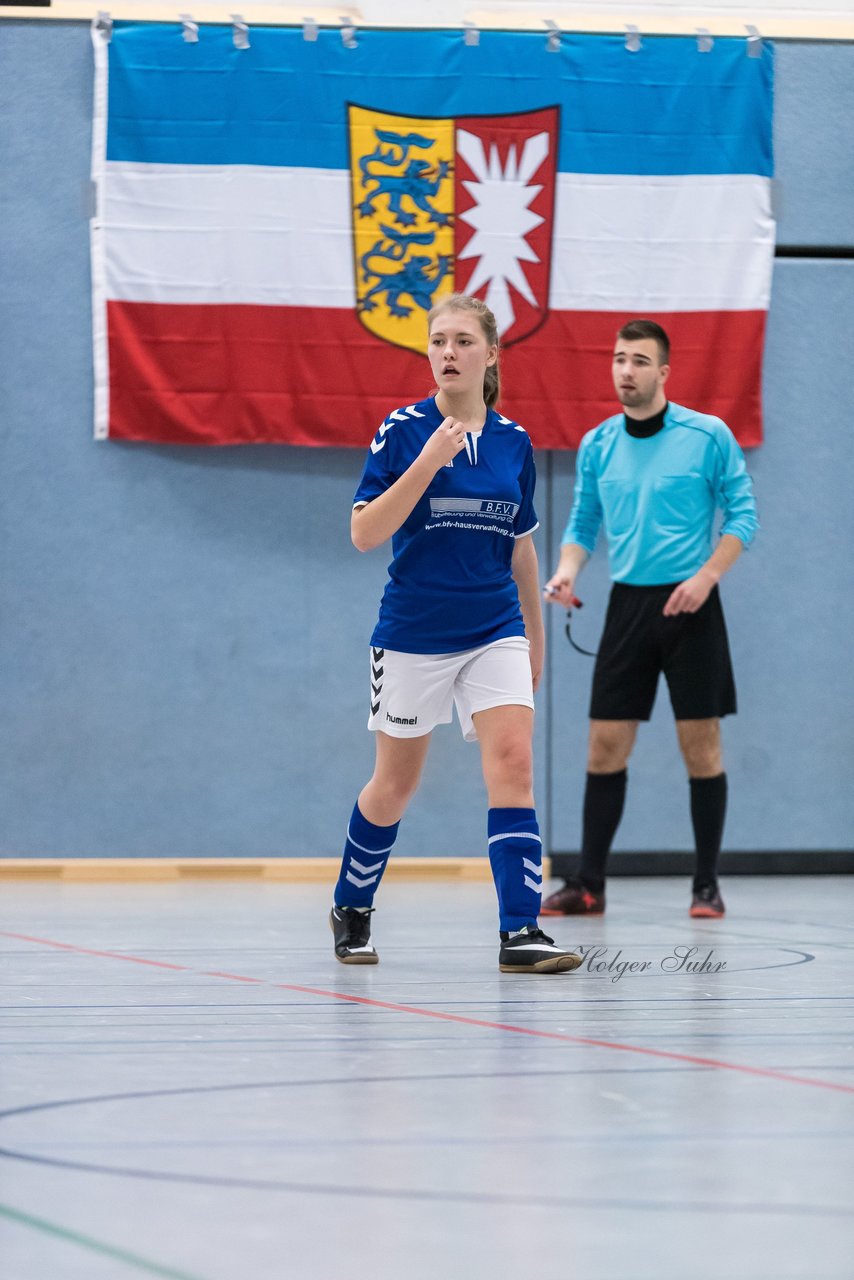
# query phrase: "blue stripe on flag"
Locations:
[[666, 109]]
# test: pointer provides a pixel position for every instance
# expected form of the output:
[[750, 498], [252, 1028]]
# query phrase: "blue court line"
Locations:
[[94, 1246], [384, 1193], [498, 1003], [137, 1095], [455, 1197], [424, 1140], [581, 1071], [245, 1042], [798, 922], [723, 932]]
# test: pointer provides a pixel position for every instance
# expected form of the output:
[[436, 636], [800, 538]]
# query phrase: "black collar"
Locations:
[[642, 429]]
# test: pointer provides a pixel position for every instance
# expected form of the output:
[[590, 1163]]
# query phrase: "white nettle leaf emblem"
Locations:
[[502, 220]]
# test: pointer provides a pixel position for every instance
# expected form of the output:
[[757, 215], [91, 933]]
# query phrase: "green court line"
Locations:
[[97, 1246]]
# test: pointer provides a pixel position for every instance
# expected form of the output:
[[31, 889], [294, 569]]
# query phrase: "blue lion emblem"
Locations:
[[419, 276], [416, 183]]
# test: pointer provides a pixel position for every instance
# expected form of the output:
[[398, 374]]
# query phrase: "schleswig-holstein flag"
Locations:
[[274, 223]]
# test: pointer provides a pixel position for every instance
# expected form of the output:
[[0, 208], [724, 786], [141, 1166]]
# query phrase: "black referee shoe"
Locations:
[[530, 951], [352, 930], [706, 901], [574, 899]]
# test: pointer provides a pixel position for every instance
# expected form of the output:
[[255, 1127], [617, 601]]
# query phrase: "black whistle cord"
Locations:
[[588, 653]]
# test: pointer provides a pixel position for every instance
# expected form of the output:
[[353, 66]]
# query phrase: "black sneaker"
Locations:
[[352, 931], [574, 899], [530, 951], [706, 901]]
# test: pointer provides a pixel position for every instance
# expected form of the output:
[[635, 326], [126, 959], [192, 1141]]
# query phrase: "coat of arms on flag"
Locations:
[[452, 205]]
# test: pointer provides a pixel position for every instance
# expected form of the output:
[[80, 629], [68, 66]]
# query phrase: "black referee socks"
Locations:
[[604, 797], [708, 810]]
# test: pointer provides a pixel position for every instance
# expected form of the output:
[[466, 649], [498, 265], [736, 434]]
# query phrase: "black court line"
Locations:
[[383, 1193], [424, 1195]]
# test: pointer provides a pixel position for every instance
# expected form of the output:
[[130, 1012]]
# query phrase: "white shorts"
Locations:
[[413, 692]]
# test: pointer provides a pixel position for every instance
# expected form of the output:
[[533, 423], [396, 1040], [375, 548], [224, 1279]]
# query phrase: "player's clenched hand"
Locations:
[[445, 443], [690, 595], [558, 590]]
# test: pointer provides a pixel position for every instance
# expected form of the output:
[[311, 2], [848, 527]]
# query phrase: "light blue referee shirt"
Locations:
[[657, 495]]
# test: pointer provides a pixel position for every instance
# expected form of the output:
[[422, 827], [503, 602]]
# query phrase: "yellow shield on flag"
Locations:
[[403, 205]]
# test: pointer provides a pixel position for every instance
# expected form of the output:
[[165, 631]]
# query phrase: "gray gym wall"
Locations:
[[183, 635]]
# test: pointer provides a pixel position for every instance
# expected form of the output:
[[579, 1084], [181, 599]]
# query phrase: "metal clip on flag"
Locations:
[[189, 29], [239, 31], [348, 33], [705, 41], [103, 24], [633, 38], [553, 39], [471, 35], [309, 29], [754, 42]]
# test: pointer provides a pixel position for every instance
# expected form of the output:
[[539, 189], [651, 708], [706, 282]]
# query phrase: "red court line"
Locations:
[[231, 977], [110, 955], [668, 1054]]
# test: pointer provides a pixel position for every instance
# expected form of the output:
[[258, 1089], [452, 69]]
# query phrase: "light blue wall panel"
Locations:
[[814, 110], [183, 633]]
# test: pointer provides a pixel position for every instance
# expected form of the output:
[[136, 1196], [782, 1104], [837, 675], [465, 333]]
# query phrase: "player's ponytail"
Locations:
[[467, 302], [491, 385]]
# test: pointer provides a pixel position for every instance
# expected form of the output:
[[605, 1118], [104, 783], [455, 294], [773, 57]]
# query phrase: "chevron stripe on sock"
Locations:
[[366, 854]]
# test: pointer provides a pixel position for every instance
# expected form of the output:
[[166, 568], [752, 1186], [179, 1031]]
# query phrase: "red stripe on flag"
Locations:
[[231, 374]]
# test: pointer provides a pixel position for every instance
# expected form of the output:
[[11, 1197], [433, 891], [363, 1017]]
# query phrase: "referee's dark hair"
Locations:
[[636, 330]]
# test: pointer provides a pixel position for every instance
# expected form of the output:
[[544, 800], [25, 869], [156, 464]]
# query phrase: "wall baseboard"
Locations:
[[750, 862], [764, 862], [290, 870]]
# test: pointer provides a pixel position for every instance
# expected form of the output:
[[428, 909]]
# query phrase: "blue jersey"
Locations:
[[450, 583], [657, 495]]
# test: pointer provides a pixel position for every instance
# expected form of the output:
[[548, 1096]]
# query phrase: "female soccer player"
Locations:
[[451, 481]]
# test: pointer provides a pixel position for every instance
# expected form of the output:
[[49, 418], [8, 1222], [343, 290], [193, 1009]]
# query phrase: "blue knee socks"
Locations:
[[365, 857], [516, 857]]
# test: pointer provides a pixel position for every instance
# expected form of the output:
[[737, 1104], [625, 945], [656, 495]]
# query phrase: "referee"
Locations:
[[655, 475]]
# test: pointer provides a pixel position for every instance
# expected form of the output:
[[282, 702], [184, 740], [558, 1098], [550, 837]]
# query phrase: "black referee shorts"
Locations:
[[638, 642]]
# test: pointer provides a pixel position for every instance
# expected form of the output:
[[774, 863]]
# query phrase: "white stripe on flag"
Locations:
[[229, 233], [281, 237], [98, 245], [703, 242]]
